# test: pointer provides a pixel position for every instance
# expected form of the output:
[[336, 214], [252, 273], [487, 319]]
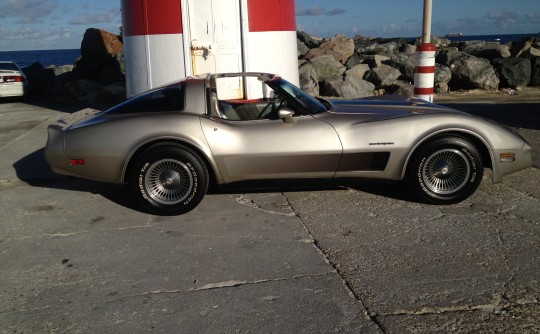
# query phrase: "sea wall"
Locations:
[[338, 66]]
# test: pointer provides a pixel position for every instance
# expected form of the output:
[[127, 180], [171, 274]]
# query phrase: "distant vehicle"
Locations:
[[168, 144], [13, 82]]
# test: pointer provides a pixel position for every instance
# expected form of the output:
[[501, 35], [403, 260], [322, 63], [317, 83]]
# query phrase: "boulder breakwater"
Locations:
[[336, 67]]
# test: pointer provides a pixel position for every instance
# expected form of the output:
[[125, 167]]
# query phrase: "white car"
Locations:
[[13, 82]]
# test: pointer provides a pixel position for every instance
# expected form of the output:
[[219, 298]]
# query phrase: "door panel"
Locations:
[[215, 32], [272, 149]]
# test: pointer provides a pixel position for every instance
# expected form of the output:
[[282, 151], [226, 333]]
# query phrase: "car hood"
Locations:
[[386, 107]]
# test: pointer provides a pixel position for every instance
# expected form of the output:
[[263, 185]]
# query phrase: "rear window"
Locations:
[[169, 98], [8, 67]]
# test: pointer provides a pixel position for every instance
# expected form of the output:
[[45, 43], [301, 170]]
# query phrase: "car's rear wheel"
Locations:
[[169, 179], [446, 170]]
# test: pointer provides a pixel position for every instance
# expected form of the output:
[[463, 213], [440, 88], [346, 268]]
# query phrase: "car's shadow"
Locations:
[[34, 170]]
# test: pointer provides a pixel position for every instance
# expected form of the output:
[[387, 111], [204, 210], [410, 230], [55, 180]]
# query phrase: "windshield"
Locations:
[[307, 102]]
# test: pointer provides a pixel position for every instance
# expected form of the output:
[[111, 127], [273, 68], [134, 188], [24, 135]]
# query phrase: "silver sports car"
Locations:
[[170, 143]]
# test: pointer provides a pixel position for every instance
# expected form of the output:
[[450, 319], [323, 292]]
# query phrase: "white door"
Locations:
[[215, 33]]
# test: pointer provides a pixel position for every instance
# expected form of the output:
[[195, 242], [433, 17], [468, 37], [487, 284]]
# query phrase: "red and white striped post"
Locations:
[[424, 76]]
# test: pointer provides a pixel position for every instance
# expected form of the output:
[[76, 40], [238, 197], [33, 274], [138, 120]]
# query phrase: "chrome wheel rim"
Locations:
[[168, 181], [446, 171]]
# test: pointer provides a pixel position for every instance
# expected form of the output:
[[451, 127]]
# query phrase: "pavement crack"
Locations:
[[70, 234], [236, 283], [346, 285], [501, 245], [498, 306], [245, 200]]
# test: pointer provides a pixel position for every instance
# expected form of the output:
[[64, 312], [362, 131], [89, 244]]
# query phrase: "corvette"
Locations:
[[171, 143]]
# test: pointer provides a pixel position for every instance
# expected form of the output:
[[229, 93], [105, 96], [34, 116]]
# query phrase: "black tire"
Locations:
[[446, 170], [169, 179]]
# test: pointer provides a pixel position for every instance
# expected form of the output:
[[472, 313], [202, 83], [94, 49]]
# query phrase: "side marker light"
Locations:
[[508, 157], [76, 162]]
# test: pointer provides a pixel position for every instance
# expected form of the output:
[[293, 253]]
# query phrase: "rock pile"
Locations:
[[98, 76], [358, 67], [338, 66]]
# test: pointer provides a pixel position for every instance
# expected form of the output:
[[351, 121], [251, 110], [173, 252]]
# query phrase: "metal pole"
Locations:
[[426, 31]]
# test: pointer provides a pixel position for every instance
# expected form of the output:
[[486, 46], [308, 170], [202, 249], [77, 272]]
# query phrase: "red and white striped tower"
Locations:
[[424, 76], [166, 40], [153, 43]]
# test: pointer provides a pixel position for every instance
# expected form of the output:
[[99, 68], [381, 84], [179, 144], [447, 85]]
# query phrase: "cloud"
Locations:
[[33, 38], [27, 11], [319, 11], [504, 18], [109, 16]]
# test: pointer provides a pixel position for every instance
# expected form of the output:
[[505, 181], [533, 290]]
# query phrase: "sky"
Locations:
[[60, 24]]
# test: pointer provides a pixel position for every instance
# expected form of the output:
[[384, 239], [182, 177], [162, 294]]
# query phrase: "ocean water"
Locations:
[[45, 57]]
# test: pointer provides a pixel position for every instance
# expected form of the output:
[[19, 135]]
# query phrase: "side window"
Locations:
[[244, 99], [169, 98]]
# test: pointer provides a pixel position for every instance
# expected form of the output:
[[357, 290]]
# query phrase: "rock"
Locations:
[[350, 88], [301, 48], [99, 44], [535, 72], [376, 60], [341, 45], [353, 61], [326, 67], [386, 49], [443, 74], [530, 53], [405, 63], [488, 50], [521, 47], [359, 71], [309, 80], [41, 80], [112, 93], [383, 76], [83, 90], [469, 71], [408, 49], [439, 42], [401, 88], [309, 40], [319, 52], [513, 72], [332, 86]]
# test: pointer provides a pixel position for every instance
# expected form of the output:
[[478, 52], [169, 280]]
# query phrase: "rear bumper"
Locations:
[[12, 89]]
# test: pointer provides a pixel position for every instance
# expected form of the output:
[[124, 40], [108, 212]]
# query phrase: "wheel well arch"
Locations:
[[480, 144], [128, 166]]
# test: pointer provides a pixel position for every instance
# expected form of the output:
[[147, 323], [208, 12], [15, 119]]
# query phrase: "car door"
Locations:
[[273, 149]]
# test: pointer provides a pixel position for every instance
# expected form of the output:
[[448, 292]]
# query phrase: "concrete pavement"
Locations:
[[77, 257]]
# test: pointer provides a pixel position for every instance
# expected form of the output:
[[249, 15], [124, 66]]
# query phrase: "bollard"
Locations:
[[424, 74]]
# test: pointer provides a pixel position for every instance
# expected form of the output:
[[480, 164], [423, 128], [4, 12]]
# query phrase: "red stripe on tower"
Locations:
[[423, 91], [277, 15], [144, 17]]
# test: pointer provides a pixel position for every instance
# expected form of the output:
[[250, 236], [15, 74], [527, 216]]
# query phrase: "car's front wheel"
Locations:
[[169, 179], [446, 170]]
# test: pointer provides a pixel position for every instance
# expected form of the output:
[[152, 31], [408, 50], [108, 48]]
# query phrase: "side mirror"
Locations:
[[287, 116]]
